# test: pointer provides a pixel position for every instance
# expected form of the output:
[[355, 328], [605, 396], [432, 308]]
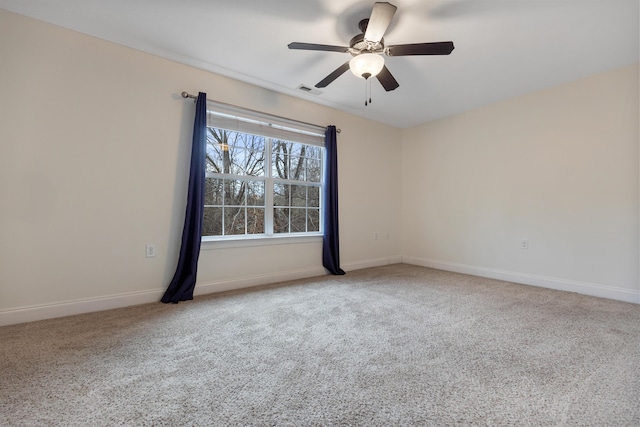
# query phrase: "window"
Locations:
[[262, 180]]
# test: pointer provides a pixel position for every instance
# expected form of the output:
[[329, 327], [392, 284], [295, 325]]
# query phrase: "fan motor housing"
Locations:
[[359, 45]]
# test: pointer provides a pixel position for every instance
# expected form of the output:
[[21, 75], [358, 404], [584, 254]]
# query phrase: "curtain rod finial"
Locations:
[[185, 95]]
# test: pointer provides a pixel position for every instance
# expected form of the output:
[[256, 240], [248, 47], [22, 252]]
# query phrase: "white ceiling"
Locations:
[[503, 48]]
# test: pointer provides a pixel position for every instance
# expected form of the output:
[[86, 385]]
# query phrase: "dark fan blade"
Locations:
[[331, 77], [381, 17], [387, 81], [312, 46], [437, 48]]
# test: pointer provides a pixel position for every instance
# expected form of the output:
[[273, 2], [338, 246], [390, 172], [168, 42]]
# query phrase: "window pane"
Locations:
[[246, 162], [280, 220], [234, 192], [235, 153], [298, 220], [255, 221], [215, 137], [314, 170], [280, 160], [212, 222], [237, 160], [234, 139], [296, 168], [254, 157], [213, 191], [313, 220], [234, 221], [298, 195], [296, 149], [281, 194], [313, 196], [213, 161], [296, 161], [255, 193], [314, 152]]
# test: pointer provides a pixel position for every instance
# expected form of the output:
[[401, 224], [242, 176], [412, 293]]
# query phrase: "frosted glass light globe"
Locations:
[[366, 65]]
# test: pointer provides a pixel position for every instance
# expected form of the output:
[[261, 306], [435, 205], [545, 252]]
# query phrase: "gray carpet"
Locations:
[[389, 346]]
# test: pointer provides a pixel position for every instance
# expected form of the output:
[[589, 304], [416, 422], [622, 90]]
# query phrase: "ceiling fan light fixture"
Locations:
[[366, 65], [368, 49]]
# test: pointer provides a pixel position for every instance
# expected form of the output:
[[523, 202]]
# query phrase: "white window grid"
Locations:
[[269, 185]]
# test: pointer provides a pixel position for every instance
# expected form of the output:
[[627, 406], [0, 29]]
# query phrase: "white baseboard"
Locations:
[[266, 279], [592, 289], [69, 308], [375, 262], [257, 280]]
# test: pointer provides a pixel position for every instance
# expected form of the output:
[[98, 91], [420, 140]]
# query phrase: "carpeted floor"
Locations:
[[390, 346]]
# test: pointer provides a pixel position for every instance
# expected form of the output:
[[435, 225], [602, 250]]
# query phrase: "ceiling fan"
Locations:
[[368, 47]]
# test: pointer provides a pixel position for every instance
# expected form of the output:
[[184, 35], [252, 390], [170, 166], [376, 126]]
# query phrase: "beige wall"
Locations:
[[558, 168], [94, 154]]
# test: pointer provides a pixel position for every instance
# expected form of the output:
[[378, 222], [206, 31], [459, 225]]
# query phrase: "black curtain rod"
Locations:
[[188, 95]]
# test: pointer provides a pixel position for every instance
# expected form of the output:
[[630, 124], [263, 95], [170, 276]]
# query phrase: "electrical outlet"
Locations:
[[150, 250], [524, 244]]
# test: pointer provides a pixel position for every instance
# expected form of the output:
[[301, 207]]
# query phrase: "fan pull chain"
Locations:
[[365, 92], [367, 89]]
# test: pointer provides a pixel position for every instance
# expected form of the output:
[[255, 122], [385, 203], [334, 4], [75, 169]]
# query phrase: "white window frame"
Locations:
[[223, 116]]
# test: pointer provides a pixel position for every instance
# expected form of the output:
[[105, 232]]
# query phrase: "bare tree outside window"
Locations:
[[243, 169]]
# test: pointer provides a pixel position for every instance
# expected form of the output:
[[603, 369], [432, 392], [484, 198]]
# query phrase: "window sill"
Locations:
[[209, 243]]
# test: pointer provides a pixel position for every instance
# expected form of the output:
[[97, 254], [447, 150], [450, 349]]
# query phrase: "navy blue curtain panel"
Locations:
[[330, 241], [184, 279]]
